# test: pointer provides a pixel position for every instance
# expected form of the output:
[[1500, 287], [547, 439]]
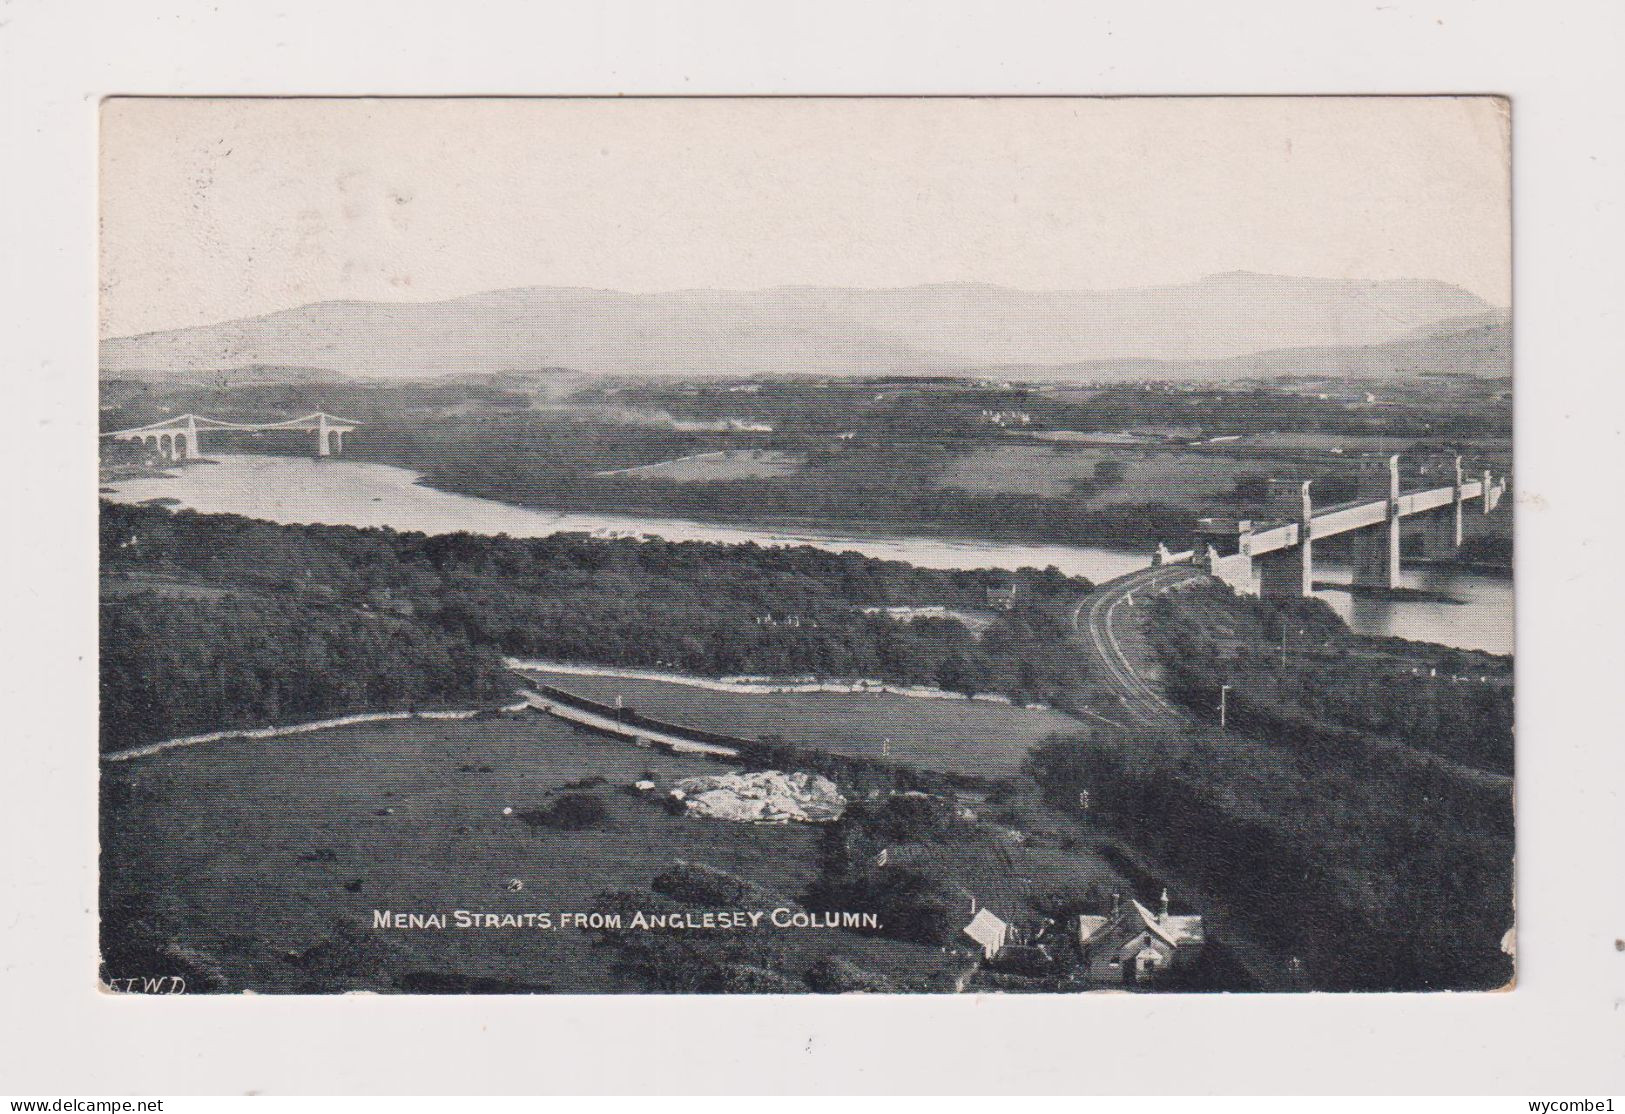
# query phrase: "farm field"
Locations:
[[1349, 444], [727, 464], [1150, 476], [273, 856], [956, 736]]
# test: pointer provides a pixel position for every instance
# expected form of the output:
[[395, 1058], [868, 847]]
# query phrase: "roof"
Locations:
[[987, 930], [1160, 931], [1088, 926], [1173, 931], [1184, 930]]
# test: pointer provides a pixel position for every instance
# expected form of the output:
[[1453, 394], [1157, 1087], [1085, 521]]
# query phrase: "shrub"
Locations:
[[903, 817], [349, 957], [1017, 959], [1062, 905], [699, 884], [910, 904], [572, 812], [687, 961], [1110, 472], [744, 978], [835, 974]]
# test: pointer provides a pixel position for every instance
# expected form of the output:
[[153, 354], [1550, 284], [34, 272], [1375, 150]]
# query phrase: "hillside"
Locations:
[[946, 328], [1476, 344]]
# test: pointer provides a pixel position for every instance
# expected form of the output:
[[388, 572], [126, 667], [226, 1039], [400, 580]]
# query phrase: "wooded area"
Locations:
[[301, 622], [1381, 878]]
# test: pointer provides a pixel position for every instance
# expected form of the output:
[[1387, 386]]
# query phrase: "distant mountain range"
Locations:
[[1222, 326], [1480, 344]]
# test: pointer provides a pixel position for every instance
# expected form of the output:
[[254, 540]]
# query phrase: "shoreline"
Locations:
[[866, 530], [832, 536], [1372, 592], [373, 495]]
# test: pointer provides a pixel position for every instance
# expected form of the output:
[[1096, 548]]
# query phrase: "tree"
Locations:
[[571, 812], [1110, 472]]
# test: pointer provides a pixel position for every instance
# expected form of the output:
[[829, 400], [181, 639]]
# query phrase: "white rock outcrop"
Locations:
[[768, 796]]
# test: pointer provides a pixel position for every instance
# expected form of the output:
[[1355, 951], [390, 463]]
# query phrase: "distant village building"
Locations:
[[771, 620], [1133, 945], [1007, 418]]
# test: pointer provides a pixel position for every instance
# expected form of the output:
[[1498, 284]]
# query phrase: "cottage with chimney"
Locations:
[[1134, 946]]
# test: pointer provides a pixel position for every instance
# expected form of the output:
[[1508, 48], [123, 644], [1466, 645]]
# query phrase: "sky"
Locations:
[[214, 209]]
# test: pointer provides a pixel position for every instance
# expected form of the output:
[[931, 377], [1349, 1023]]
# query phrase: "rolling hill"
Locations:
[[1204, 326]]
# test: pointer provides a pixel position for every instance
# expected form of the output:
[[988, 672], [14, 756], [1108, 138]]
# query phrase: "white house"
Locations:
[[989, 932], [1134, 945]]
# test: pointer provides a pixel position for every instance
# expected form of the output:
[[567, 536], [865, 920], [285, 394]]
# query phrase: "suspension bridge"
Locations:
[[180, 438]]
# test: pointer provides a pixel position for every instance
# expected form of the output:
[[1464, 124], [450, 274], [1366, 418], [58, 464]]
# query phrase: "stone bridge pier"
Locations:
[[1221, 549], [329, 438], [1290, 573], [1438, 532], [1376, 548]]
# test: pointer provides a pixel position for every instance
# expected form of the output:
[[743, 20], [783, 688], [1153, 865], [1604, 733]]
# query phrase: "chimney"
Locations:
[[1162, 915], [1117, 902]]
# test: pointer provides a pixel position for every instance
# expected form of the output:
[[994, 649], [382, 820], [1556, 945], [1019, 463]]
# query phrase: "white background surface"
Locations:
[[1561, 1031]]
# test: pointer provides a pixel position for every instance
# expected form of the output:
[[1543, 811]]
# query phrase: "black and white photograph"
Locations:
[[768, 553], [806, 546]]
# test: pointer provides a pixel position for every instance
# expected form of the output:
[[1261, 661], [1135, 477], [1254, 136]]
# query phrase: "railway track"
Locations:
[[1097, 620]]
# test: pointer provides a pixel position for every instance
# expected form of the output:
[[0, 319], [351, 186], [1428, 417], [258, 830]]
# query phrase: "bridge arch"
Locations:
[[180, 446]]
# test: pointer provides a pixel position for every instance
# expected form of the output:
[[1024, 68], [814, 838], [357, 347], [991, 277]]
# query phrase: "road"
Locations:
[[560, 710], [1098, 622]]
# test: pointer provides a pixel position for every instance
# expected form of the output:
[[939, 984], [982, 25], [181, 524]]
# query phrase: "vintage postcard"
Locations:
[[806, 546]]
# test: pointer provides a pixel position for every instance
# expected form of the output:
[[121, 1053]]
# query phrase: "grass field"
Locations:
[[265, 859], [1151, 476], [957, 736], [251, 851]]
